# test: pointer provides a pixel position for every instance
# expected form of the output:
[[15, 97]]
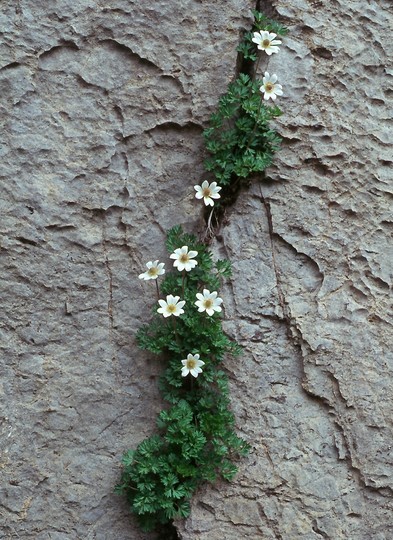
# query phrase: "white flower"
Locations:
[[270, 89], [172, 306], [155, 269], [266, 42], [207, 192], [183, 259], [192, 365], [208, 302]]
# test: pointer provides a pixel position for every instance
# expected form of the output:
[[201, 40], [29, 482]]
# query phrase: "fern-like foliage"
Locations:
[[239, 139], [196, 440]]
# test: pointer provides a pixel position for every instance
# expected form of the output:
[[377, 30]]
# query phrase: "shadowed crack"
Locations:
[[110, 277], [117, 46], [168, 532], [12, 65]]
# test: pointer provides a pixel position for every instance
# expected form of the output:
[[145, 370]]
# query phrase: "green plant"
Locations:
[[239, 139], [196, 440]]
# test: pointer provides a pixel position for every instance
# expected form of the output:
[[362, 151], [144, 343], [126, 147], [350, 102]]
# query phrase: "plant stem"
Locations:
[[256, 67], [255, 126], [158, 290], [176, 334], [182, 283]]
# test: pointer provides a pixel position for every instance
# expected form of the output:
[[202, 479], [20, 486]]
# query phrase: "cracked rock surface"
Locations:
[[102, 106], [311, 296]]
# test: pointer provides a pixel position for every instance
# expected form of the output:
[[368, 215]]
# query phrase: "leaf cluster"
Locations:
[[196, 439], [239, 139]]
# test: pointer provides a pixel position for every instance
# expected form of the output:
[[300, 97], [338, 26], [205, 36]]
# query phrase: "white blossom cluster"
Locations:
[[185, 261], [266, 42]]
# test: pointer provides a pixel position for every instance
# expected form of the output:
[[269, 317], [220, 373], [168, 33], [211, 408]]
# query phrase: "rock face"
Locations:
[[102, 110]]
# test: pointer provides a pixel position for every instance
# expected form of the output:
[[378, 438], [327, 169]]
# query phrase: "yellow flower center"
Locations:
[[269, 87], [266, 43], [184, 258], [171, 308], [208, 303], [153, 271], [207, 192], [191, 364]]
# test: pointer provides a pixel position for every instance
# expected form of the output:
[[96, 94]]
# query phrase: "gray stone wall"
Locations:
[[102, 106]]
